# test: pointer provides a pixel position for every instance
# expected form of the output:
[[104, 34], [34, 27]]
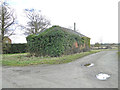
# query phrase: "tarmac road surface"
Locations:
[[69, 75]]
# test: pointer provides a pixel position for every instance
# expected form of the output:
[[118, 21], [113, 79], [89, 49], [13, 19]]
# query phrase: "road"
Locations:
[[69, 75]]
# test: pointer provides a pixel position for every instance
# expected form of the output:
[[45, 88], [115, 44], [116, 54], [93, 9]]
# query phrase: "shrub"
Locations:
[[14, 48], [6, 48], [53, 42]]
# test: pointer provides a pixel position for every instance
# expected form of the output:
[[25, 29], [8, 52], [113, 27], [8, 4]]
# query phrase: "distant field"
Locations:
[[23, 59]]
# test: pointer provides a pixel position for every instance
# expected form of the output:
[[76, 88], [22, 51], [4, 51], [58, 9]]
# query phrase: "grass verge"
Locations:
[[0, 59], [23, 60], [118, 54]]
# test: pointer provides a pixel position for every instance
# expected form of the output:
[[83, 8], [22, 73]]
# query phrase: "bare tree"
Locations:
[[7, 19], [36, 22]]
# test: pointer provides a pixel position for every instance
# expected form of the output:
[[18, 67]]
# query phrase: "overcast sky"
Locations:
[[97, 19]]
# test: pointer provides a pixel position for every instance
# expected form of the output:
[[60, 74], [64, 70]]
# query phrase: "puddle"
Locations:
[[89, 65], [102, 76]]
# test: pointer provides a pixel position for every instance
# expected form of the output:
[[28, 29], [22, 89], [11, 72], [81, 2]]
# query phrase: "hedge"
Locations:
[[54, 42], [14, 48]]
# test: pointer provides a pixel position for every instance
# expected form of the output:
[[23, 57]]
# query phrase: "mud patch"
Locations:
[[22, 71], [89, 64], [102, 76]]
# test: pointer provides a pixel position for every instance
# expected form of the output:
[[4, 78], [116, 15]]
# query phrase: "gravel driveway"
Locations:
[[69, 75]]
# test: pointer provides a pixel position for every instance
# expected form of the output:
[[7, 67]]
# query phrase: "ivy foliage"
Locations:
[[53, 42]]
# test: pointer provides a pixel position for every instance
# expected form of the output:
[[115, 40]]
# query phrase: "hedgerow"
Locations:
[[14, 48]]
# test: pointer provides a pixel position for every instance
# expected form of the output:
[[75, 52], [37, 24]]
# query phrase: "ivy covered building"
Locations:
[[57, 41]]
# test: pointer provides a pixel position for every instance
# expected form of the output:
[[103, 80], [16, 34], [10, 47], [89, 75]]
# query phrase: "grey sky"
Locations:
[[97, 19]]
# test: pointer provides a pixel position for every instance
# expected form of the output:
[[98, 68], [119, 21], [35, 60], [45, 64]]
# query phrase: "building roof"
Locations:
[[72, 31], [67, 30], [6, 38]]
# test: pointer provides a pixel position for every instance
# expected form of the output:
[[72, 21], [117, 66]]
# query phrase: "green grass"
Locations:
[[118, 54], [108, 49], [0, 59], [23, 59]]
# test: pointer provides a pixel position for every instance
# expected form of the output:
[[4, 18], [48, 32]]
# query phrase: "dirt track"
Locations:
[[70, 75]]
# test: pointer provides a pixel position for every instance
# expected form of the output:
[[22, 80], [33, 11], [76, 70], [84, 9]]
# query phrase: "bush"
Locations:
[[53, 42], [6, 48], [14, 48]]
